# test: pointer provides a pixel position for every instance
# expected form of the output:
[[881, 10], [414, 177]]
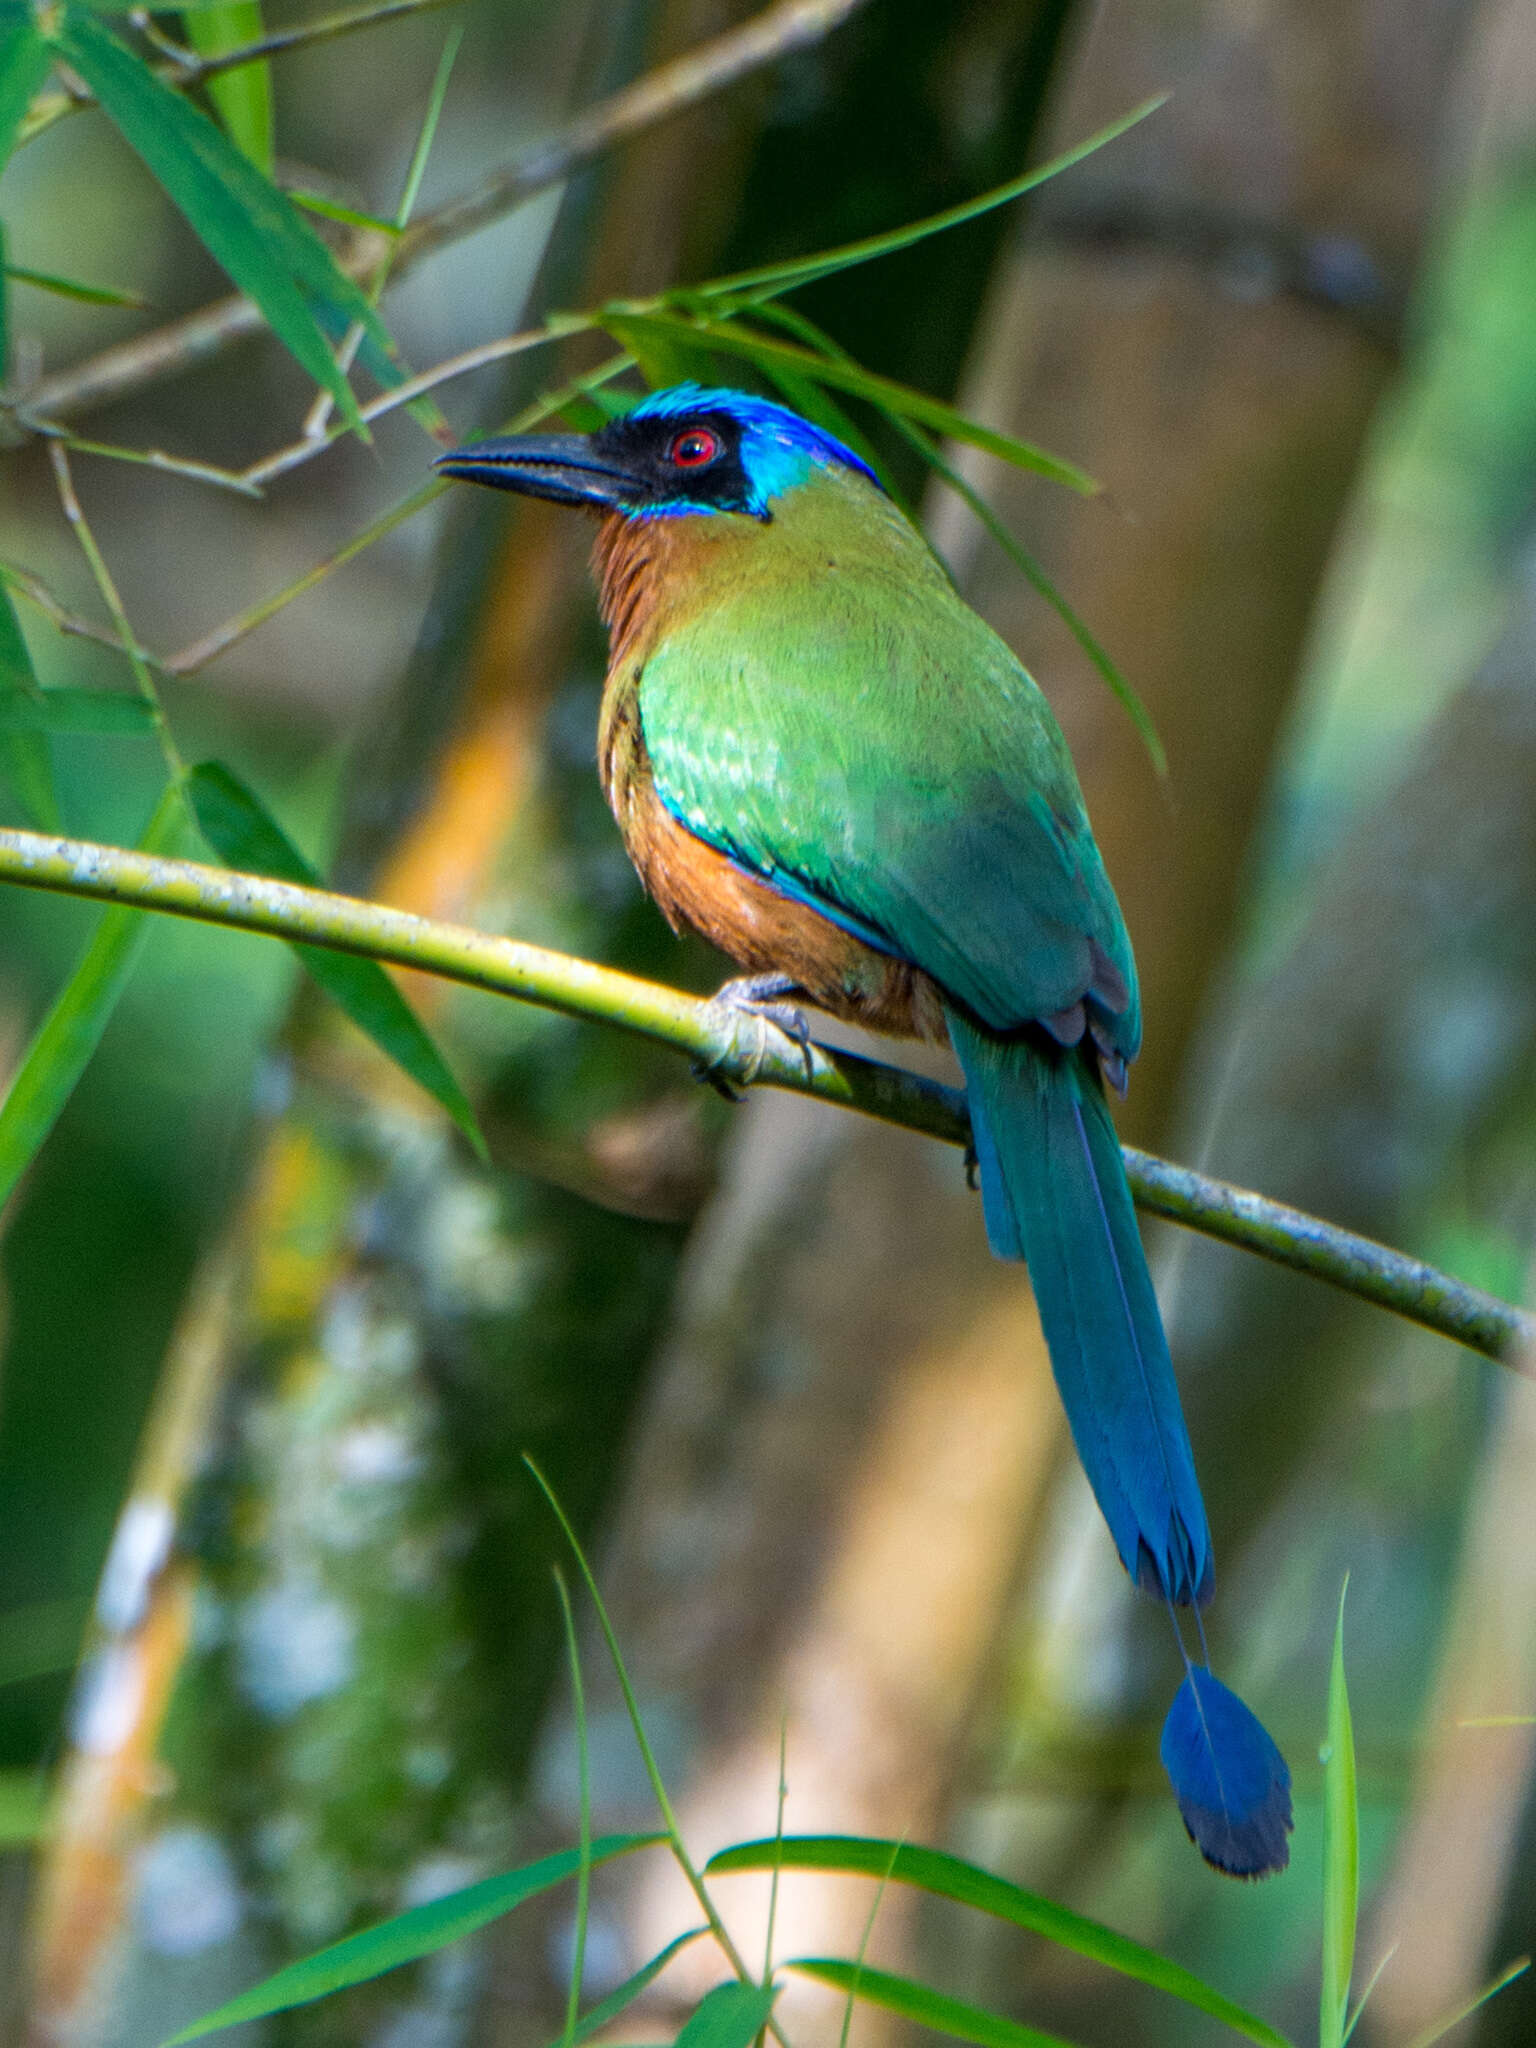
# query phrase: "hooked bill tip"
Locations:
[[560, 467]]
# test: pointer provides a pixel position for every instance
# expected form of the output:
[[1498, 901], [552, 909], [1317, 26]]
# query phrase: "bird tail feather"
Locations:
[[1054, 1194]]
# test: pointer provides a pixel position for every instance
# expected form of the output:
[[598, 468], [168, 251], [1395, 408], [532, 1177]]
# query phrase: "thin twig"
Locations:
[[225, 636], [670, 89], [36, 591], [185, 67], [127, 639], [320, 412], [149, 458], [578, 988], [315, 439], [323, 31], [281, 460]]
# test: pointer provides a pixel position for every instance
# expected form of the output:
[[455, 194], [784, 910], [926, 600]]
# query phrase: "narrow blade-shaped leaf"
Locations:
[[244, 834], [769, 354], [1034, 574], [348, 216], [419, 1932], [922, 2004], [243, 97], [26, 1801], [667, 355], [1341, 1850], [245, 221], [1442, 2027], [424, 410], [25, 758], [798, 270], [950, 1877], [795, 322], [814, 400], [73, 288], [730, 2016], [62, 1046], [41, 1638], [607, 2010], [426, 135], [24, 61], [87, 711]]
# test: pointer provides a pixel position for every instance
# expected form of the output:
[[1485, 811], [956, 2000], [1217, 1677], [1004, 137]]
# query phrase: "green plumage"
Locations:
[[830, 709]]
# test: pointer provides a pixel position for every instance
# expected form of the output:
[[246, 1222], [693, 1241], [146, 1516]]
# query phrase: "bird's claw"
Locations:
[[759, 1000], [972, 1166]]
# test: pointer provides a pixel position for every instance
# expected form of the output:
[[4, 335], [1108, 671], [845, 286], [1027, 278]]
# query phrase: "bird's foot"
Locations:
[[761, 1002], [972, 1165]]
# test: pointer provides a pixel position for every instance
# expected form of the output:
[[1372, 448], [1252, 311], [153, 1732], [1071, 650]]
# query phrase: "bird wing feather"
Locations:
[[886, 755]]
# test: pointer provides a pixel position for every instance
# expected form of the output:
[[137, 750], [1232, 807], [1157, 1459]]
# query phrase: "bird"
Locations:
[[820, 757]]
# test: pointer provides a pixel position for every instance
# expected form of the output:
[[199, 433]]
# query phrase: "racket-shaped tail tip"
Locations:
[[1230, 1780]]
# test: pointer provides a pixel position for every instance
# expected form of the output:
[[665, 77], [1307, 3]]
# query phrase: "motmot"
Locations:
[[823, 760]]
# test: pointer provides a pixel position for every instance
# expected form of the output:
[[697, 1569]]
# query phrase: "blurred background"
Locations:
[[256, 1287]]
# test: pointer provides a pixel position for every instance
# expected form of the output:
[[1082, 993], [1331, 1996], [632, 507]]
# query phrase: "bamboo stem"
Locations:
[[743, 1053]]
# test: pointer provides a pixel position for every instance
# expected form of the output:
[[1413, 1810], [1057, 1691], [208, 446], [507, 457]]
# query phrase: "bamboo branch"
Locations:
[[670, 89], [740, 1052]]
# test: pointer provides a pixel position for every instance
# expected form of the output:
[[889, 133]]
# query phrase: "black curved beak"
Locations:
[[564, 467]]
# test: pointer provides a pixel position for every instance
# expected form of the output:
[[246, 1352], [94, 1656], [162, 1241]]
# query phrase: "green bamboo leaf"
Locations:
[[24, 62], [747, 285], [1034, 574], [244, 834], [62, 1046], [424, 410], [242, 97], [26, 1801], [929, 2008], [584, 411], [605, 2013], [420, 1932], [730, 2016], [666, 355], [635, 329], [812, 399], [332, 209], [949, 1877], [584, 1802], [26, 760], [245, 221], [1441, 2028], [1341, 1850], [89, 711], [410, 192], [72, 288], [41, 1638]]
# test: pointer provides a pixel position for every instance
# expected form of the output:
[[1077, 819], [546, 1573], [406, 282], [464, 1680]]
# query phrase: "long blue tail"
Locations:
[[1054, 1193]]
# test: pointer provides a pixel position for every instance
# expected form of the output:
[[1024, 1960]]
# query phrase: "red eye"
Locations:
[[693, 448]]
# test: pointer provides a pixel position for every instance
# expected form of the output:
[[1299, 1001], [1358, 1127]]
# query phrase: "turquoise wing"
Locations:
[[891, 760]]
